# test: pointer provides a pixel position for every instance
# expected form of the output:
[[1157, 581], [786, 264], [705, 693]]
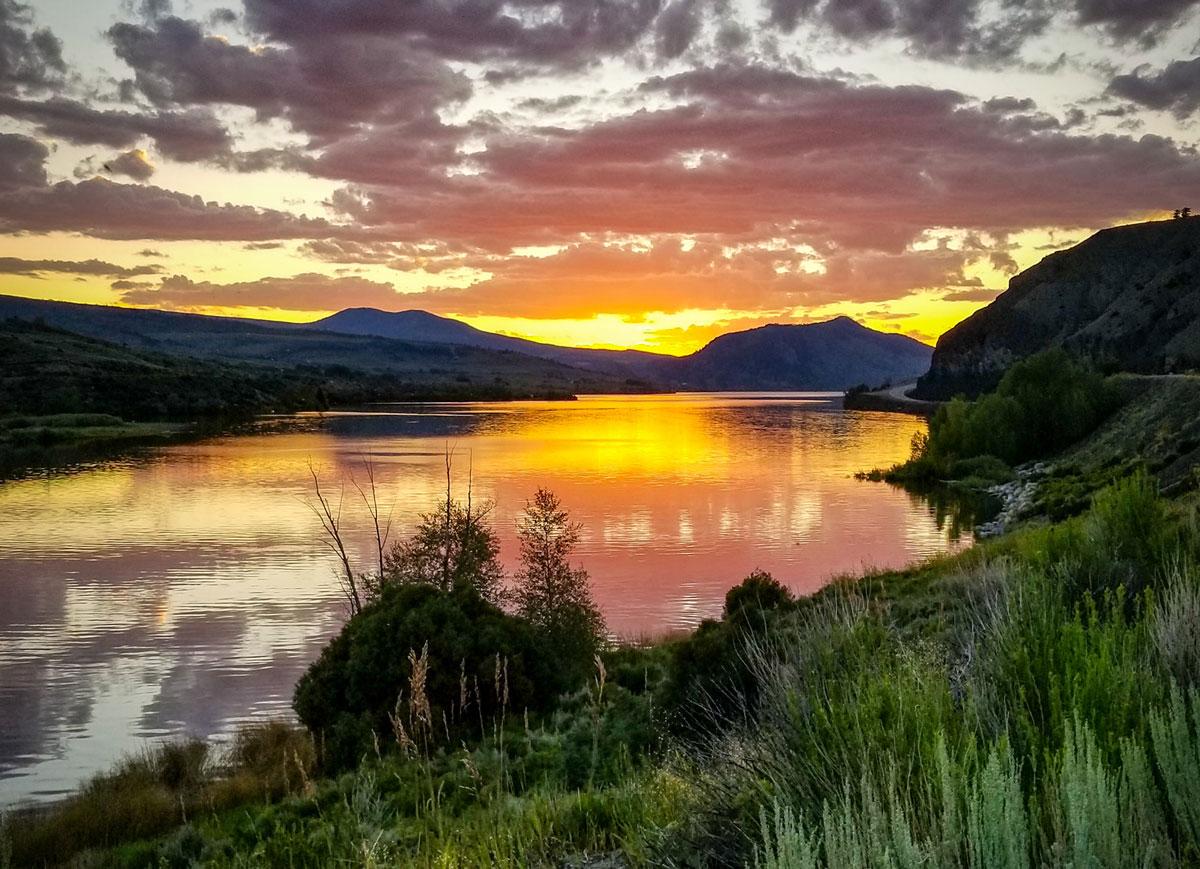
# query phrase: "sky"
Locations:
[[616, 173]]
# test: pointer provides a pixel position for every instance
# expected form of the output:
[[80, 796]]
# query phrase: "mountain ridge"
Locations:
[[831, 355], [772, 356]]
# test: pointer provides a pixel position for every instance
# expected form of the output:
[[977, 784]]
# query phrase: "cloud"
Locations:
[[305, 292], [758, 152], [28, 58], [1141, 20], [980, 294], [1175, 88], [560, 33], [106, 209], [191, 135], [946, 29], [676, 28], [22, 162], [324, 87], [10, 265], [134, 163], [973, 30], [587, 279]]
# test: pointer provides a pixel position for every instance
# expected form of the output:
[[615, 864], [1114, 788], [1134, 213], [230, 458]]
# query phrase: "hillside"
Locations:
[[1128, 297], [429, 370], [832, 355], [47, 371]]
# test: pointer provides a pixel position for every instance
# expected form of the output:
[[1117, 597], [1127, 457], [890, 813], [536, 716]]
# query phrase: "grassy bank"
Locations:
[[1031, 701], [64, 439]]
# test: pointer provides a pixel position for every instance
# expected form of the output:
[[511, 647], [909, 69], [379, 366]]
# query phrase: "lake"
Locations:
[[185, 590]]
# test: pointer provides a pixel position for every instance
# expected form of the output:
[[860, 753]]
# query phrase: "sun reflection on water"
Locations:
[[187, 591]]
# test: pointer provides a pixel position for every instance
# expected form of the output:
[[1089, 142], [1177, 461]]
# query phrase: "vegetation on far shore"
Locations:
[[65, 398]]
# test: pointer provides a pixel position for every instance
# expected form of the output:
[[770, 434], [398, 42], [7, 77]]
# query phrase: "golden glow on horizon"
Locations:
[[923, 314]]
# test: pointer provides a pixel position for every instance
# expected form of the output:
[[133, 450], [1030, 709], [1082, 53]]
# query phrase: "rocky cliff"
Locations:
[[1128, 297]]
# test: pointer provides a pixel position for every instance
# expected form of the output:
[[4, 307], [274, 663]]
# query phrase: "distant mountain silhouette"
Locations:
[[832, 355], [424, 326], [835, 354], [282, 345], [1128, 297]]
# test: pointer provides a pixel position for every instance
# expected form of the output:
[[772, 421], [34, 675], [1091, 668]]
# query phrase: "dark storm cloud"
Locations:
[[968, 29], [1175, 88], [325, 88], [558, 32], [105, 209], [188, 136], [1141, 20], [11, 265], [28, 57]]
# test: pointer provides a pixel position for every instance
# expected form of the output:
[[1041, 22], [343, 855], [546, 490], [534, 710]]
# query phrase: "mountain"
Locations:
[[416, 369], [833, 355], [427, 327], [1128, 297], [427, 350]]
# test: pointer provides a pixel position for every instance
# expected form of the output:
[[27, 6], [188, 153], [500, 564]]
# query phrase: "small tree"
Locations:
[[551, 594], [452, 548]]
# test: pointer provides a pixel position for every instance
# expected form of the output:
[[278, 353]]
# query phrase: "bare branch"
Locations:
[[331, 524]]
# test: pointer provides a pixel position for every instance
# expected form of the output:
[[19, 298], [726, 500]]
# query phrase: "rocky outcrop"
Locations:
[[1128, 298]]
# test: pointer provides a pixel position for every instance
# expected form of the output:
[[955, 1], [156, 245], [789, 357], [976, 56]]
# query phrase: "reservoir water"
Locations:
[[185, 590]]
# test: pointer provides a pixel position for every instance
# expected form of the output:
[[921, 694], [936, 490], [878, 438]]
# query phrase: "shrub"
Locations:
[[757, 593], [477, 662], [1040, 658], [1175, 734], [986, 470], [1129, 523], [452, 547], [709, 681], [1176, 626]]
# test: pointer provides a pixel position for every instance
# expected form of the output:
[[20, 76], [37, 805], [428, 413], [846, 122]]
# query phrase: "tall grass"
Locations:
[[1041, 732], [1176, 627], [162, 787]]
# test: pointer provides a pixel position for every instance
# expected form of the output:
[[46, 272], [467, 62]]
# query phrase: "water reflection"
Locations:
[[187, 591]]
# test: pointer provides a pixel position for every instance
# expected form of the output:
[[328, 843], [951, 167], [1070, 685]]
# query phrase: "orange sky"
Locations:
[[649, 177]]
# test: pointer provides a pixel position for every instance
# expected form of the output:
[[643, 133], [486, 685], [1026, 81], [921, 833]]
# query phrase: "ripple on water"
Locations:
[[186, 591]]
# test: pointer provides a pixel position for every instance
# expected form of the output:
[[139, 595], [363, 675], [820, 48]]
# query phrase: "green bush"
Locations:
[[478, 663], [709, 672], [986, 470], [1042, 404], [1043, 657]]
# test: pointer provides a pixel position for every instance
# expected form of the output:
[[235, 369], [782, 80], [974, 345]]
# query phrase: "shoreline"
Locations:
[[891, 399]]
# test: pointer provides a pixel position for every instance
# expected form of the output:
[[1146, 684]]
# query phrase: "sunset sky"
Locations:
[[628, 173]]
